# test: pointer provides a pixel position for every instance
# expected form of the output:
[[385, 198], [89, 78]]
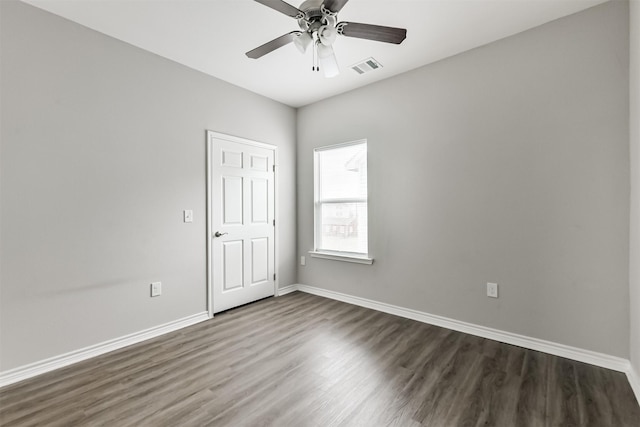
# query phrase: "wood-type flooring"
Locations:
[[302, 360]]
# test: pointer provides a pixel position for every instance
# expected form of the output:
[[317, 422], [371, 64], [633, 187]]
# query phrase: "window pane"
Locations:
[[343, 172], [344, 227]]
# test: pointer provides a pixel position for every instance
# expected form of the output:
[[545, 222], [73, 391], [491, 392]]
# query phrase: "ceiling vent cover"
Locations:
[[367, 65]]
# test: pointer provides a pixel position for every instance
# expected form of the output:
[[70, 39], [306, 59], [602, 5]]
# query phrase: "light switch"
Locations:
[[188, 216], [156, 289], [492, 290]]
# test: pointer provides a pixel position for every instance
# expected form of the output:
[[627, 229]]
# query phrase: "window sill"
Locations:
[[337, 256]]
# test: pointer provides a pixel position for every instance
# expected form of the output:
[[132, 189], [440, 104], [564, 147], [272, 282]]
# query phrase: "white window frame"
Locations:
[[356, 257]]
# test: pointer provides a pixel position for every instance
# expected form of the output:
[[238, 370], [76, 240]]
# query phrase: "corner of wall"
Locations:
[[634, 237]]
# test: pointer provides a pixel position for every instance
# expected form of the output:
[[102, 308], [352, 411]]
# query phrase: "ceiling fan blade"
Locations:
[[372, 32], [283, 7], [273, 45], [334, 5], [327, 60]]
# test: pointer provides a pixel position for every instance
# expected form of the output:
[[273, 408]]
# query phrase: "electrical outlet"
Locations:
[[156, 289], [492, 290], [303, 260], [188, 215]]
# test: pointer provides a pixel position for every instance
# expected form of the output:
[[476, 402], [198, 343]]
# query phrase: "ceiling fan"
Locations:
[[318, 24]]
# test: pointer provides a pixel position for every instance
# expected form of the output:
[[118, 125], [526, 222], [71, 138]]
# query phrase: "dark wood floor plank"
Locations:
[[563, 403], [531, 407], [597, 410], [502, 410], [417, 391], [623, 403], [447, 390], [306, 361], [482, 398]]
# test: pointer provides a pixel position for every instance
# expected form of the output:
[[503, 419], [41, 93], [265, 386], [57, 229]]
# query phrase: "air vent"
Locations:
[[366, 66]]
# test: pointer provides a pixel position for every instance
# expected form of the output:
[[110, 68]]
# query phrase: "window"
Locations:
[[341, 230]]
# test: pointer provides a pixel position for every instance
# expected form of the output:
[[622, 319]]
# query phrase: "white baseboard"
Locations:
[[287, 290], [634, 381], [573, 353], [56, 362]]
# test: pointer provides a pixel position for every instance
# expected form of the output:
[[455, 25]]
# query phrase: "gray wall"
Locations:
[[634, 257], [507, 163], [103, 146]]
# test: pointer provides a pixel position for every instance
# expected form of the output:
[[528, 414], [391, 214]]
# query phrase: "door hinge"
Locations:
[[274, 277], [274, 222], [274, 168]]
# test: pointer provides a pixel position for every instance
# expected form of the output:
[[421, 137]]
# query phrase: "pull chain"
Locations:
[[315, 56], [316, 66]]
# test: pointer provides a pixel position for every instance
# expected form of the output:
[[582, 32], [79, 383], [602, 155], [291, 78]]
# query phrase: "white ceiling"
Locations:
[[213, 35]]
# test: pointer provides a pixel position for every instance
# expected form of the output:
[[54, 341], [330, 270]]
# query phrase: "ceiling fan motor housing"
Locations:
[[317, 19]]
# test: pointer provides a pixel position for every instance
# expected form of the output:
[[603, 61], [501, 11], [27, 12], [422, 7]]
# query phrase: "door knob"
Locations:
[[218, 234]]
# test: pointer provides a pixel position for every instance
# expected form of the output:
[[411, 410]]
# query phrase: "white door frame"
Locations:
[[209, 151]]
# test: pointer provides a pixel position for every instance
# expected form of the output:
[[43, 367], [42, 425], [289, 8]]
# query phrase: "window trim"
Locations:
[[342, 256], [355, 257]]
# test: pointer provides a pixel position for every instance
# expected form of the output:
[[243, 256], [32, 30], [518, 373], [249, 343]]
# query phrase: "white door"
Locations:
[[242, 222]]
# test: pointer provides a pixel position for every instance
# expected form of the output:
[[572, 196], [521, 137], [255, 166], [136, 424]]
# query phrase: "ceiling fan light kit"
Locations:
[[303, 41], [317, 20], [327, 35]]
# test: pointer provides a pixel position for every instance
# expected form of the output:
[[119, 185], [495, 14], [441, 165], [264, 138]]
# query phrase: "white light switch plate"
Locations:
[[303, 260], [188, 216], [156, 289], [492, 290]]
